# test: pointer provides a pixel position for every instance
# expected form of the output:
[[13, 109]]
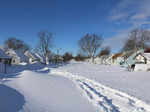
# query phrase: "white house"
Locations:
[[41, 58], [32, 57], [140, 60], [109, 60], [117, 59], [4, 58], [17, 56]]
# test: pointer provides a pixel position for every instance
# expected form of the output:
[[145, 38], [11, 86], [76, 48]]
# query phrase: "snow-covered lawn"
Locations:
[[136, 84], [42, 93], [76, 87]]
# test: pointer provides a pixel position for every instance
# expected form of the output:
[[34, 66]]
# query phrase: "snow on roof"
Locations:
[[30, 54], [3, 54], [39, 56], [17, 53]]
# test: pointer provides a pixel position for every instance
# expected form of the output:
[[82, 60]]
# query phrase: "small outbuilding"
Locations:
[[4, 58], [4, 61]]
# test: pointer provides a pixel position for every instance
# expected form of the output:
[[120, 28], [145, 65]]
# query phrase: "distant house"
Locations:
[[140, 59], [117, 59], [147, 50], [33, 58], [104, 59], [17, 56], [4, 58], [142, 62], [109, 59], [40, 57]]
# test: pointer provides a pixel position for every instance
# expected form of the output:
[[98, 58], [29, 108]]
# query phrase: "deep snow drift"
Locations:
[[45, 93]]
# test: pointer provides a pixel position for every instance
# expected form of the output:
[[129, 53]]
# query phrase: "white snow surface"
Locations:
[[44, 93], [104, 98], [135, 84], [75, 87]]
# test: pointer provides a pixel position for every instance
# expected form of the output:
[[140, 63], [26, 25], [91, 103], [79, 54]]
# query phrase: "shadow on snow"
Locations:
[[11, 100]]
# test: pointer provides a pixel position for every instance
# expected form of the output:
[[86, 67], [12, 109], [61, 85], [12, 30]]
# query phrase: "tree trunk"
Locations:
[[47, 60], [92, 59]]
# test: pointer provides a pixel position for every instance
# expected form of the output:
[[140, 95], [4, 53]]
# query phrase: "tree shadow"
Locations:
[[17, 69], [10, 99]]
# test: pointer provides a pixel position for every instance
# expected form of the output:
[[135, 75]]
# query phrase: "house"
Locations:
[[17, 56], [4, 61], [104, 59], [140, 59], [40, 57], [97, 60], [117, 59], [4, 58], [33, 58], [109, 59]]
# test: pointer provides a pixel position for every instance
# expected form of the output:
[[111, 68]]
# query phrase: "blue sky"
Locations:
[[69, 20]]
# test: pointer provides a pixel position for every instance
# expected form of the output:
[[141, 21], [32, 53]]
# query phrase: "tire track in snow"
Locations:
[[104, 98]]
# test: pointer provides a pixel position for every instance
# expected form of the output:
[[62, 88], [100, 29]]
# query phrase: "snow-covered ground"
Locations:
[[104, 98], [75, 87], [42, 93], [136, 84]]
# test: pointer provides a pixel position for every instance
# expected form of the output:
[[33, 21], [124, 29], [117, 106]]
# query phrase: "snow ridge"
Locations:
[[104, 98]]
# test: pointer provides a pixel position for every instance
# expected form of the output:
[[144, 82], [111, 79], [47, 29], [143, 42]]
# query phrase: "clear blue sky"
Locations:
[[72, 19]]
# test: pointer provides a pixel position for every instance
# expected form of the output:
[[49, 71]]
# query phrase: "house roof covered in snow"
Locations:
[[31, 55], [17, 54], [3, 54]]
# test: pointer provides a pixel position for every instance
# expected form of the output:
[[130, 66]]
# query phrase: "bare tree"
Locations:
[[138, 39], [45, 44], [144, 38], [15, 44], [90, 44]]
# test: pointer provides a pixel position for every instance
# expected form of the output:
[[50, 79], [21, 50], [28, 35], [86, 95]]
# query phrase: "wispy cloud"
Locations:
[[134, 13], [117, 41]]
